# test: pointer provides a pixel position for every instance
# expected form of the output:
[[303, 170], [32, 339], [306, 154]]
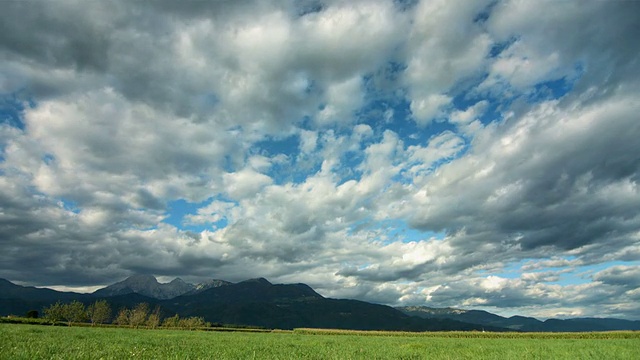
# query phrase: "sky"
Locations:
[[471, 154]]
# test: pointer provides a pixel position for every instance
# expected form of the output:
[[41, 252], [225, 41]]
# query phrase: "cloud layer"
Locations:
[[474, 154]]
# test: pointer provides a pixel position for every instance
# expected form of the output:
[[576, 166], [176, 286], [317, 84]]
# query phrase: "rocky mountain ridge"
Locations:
[[148, 285]]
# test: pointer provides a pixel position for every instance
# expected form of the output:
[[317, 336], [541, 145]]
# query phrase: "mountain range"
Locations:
[[257, 302], [521, 323], [148, 285]]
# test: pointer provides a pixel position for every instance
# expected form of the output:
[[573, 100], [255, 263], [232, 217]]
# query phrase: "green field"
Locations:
[[60, 342]]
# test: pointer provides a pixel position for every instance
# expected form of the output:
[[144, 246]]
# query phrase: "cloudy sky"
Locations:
[[473, 154]]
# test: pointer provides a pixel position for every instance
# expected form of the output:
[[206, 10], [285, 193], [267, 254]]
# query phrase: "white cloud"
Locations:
[[212, 213], [342, 100], [308, 141], [439, 56], [102, 143], [429, 107], [245, 183], [260, 163], [440, 147], [350, 37], [202, 101]]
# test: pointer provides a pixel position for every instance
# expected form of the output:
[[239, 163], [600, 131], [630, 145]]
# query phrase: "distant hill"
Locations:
[[521, 323], [257, 302], [16, 299], [9, 290]]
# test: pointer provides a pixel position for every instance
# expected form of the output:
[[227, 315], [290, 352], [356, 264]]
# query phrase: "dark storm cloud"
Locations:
[[625, 276], [57, 35]]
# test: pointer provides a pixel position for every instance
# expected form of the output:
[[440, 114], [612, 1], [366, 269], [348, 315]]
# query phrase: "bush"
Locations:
[[32, 314]]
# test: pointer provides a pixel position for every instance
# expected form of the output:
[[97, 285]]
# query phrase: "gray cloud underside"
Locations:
[[139, 104]]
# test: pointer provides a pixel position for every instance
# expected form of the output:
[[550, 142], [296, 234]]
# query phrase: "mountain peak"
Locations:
[[146, 285], [213, 283], [259, 280]]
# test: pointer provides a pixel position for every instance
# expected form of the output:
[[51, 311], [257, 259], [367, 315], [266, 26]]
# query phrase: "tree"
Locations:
[[154, 318], [172, 322], [99, 312], [192, 323], [32, 314], [54, 313], [124, 316], [74, 312], [139, 315]]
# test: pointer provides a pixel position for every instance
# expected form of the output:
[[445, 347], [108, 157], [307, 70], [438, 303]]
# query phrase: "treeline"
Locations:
[[100, 312], [75, 312]]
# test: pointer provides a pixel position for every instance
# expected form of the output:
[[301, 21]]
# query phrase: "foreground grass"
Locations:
[[47, 342]]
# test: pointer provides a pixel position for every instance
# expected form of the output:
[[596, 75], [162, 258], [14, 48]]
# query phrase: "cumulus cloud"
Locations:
[[472, 154], [244, 183], [626, 276], [439, 57]]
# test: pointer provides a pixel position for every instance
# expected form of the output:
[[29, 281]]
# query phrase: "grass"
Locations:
[[480, 335], [19, 341]]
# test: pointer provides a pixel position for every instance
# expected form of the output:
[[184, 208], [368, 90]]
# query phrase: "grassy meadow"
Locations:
[[18, 341]]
